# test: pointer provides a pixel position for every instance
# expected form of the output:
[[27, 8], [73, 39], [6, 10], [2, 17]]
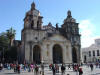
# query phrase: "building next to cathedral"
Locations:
[[91, 53], [49, 44]]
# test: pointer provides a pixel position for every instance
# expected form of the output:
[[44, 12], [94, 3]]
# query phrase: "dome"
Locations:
[[69, 13], [33, 6]]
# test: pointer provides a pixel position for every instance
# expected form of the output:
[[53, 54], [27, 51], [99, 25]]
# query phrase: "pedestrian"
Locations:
[[15, 68], [73, 66], [36, 70], [96, 64], [76, 68], [80, 71], [32, 66], [99, 65], [29, 68], [91, 66], [1, 66], [18, 68], [69, 66], [53, 69], [50, 66], [56, 68], [24, 67], [63, 69], [42, 68]]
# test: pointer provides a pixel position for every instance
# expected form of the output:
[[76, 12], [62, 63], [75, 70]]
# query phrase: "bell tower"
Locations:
[[70, 27], [33, 20], [71, 32], [31, 32]]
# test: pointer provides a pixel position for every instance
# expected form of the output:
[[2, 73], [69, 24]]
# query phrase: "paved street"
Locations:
[[86, 71]]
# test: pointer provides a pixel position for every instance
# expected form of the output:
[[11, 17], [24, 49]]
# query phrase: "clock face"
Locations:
[[35, 13]]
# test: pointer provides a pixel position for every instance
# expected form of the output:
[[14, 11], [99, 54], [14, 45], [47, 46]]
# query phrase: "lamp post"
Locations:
[[42, 67]]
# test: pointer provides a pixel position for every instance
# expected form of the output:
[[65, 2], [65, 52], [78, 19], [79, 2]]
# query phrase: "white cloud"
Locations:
[[86, 29]]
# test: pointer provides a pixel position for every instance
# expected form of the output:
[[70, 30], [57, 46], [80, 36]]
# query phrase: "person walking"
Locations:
[[42, 68], [53, 69], [80, 71], [36, 70], [18, 68], [63, 69], [1, 66], [29, 68], [69, 66], [32, 67], [50, 66], [99, 65], [15, 70], [91, 66], [56, 68], [96, 64]]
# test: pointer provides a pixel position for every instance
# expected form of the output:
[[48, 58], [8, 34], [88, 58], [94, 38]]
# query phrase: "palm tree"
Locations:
[[11, 35]]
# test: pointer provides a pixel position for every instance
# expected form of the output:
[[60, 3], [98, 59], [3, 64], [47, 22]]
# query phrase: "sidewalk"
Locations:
[[86, 71]]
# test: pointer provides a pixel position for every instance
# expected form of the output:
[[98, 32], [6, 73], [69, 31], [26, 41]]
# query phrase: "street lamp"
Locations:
[[42, 67]]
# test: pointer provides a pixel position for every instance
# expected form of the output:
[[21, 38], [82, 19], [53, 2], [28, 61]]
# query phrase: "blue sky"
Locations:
[[86, 12]]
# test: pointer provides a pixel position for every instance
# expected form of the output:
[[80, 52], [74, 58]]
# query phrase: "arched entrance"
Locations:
[[36, 54], [57, 54], [74, 55]]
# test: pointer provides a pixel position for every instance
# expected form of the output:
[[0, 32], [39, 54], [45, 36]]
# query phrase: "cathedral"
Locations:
[[49, 44]]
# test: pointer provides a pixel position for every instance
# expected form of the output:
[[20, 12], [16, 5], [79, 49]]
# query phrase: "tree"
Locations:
[[4, 42], [8, 52], [11, 35], [11, 54]]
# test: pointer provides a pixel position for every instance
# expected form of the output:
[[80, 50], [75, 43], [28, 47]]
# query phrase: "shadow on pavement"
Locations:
[[96, 74], [10, 73]]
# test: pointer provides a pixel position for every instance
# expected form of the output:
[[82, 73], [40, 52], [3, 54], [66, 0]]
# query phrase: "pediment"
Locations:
[[58, 37]]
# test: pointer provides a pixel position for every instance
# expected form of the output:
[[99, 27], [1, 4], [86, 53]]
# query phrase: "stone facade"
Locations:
[[91, 53], [49, 44]]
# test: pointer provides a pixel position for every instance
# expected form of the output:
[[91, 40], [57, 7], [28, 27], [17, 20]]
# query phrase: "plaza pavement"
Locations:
[[86, 71]]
